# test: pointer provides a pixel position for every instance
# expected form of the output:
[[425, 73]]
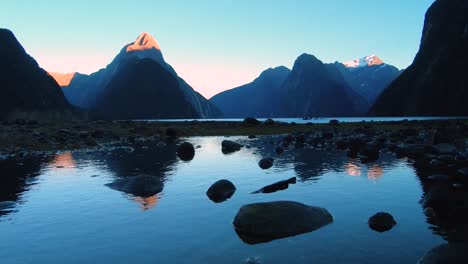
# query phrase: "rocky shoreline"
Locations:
[[363, 139]]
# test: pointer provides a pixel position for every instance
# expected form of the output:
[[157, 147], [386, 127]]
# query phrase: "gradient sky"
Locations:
[[216, 44]]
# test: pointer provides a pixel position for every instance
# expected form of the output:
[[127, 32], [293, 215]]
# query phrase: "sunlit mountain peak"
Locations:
[[144, 42]]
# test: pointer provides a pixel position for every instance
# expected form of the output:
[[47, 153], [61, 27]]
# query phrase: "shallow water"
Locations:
[[66, 214]]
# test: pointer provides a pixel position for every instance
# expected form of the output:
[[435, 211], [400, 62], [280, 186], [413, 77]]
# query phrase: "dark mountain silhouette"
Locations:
[[368, 79], [87, 91], [25, 87], [317, 89], [436, 84], [154, 93], [312, 88], [256, 99]]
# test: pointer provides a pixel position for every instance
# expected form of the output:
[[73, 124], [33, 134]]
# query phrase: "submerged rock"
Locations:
[[455, 253], [265, 163], [381, 222], [263, 222], [229, 146], [281, 185], [143, 186], [186, 151], [221, 190]]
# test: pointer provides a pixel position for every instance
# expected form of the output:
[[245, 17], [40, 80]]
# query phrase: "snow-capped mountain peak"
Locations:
[[371, 60], [144, 42]]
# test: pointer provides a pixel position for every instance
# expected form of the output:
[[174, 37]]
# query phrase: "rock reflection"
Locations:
[[142, 173]]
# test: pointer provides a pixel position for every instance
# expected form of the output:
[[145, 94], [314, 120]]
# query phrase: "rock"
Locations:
[[265, 163], [279, 186], [97, 133], [250, 121], [445, 149], [439, 178], [161, 144], [269, 122], [441, 136], [230, 146], [90, 142], [252, 136], [142, 186], [186, 151], [221, 190], [83, 134], [453, 253], [64, 132], [171, 133], [334, 122], [327, 135], [279, 150], [463, 172], [263, 222], [381, 222], [6, 205], [370, 152]]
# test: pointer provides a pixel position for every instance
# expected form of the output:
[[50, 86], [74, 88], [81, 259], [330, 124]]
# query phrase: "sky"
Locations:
[[216, 44]]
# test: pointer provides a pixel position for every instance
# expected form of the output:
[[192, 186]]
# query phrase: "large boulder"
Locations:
[[186, 151], [446, 254], [229, 146], [263, 222], [381, 222], [221, 190], [142, 186]]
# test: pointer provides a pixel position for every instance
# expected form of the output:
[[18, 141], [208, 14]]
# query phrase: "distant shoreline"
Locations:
[[24, 136]]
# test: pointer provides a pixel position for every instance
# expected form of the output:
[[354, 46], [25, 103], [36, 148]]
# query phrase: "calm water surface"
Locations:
[[65, 213]]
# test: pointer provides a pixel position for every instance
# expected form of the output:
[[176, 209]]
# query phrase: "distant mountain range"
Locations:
[[436, 84], [25, 87], [312, 88], [137, 84]]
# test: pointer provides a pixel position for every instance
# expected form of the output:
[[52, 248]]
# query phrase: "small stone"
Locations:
[[186, 151], [381, 222], [221, 190], [265, 163]]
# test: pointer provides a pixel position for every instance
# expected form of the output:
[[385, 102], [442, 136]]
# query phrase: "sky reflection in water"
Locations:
[[65, 213]]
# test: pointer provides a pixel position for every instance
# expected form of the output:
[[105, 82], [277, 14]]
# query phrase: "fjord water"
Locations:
[[65, 213]]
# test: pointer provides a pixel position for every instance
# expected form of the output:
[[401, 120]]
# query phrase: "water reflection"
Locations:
[[372, 171], [16, 178], [147, 203], [161, 163], [64, 160]]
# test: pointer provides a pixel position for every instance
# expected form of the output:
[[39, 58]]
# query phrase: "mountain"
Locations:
[[368, 76], [312, 88], [436, 83], [25, 87], [317, 89], [256, 99], [93, 91]]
